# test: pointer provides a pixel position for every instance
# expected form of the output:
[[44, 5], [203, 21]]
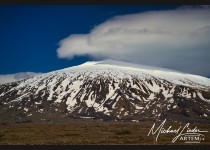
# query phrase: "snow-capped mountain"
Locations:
[[108, 90], [7, 78]]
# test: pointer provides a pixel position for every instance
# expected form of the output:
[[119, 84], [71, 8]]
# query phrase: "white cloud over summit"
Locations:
[[176, 39]]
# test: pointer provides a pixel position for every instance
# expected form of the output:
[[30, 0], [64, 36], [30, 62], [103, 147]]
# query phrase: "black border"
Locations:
[[106, 147], [106, 2]]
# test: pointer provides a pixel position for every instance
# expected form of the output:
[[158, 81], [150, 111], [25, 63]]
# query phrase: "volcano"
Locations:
[[107, 90]]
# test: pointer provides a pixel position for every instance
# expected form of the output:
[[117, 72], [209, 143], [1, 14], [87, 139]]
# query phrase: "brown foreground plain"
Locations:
[[88, 131]]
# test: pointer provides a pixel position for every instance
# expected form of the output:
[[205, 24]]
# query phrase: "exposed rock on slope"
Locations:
[[108, 90]]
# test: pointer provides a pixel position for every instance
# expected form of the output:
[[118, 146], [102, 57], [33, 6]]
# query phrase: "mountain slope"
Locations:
[[108, 90]]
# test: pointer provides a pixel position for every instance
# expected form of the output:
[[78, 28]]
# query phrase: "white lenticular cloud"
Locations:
[[176, 39]]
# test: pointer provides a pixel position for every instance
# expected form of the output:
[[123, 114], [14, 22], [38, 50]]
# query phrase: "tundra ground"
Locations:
[[87, 131]]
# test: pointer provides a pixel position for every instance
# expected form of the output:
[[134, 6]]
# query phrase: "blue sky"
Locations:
[[30, 35]]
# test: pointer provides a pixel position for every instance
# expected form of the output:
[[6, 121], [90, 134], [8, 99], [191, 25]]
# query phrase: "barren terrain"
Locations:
[[87, 131]]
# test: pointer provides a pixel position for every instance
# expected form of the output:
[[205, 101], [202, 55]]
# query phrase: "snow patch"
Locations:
[[26, 109]]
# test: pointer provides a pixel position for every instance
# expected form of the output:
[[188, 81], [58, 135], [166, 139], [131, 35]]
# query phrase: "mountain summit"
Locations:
[[108, 90]]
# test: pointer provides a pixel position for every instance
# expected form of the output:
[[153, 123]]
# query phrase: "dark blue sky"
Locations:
[[29, 35]]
